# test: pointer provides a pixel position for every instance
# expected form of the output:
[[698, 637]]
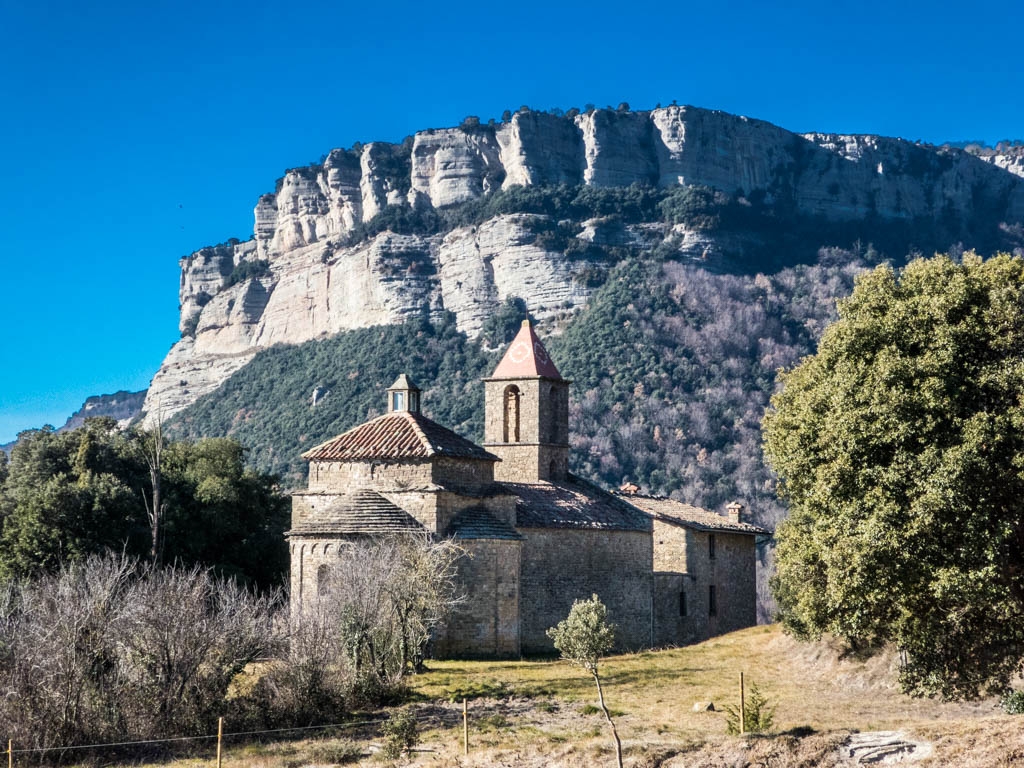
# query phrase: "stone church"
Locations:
[[536, 537]]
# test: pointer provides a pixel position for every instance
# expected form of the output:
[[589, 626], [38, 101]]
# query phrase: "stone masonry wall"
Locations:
[[528, 463], [308, 556], [343, 476], [542, 451], [561, 565], [487, 623], [543, 411], [732, 572], [435, 509], [463, 474], [494, 410], [671, 626]]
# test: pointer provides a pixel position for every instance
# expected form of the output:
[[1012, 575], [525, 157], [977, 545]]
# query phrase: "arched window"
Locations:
[[323, 579], [511, 425], [682, 603], [553, 469]]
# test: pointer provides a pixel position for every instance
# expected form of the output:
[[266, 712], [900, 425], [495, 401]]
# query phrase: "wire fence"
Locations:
[[218, 738]]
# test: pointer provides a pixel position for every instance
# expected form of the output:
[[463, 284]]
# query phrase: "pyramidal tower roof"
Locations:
[[526, 357]]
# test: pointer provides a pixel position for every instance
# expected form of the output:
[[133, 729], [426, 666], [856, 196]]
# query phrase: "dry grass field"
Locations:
[[539, 713]]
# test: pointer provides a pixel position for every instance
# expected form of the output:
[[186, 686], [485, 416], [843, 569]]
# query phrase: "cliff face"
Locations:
[[1011, 159], [305, 279]]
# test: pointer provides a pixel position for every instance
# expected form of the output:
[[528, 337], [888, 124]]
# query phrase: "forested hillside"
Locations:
[[672, 368]]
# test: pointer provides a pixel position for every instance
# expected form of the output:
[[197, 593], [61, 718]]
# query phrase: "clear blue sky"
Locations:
[[133, 133]]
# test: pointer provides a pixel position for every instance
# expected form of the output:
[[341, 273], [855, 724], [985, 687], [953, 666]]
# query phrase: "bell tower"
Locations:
[[526, 413]]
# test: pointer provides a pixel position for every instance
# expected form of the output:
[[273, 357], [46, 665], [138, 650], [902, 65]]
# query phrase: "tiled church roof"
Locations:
[[574, 504], [478, 523], [526, 356], [677, 513], [397, 435], [360, 512]]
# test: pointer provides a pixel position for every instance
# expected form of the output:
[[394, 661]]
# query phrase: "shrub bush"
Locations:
[[248, 269], [401, 733], [1013, 703], [758, 714]]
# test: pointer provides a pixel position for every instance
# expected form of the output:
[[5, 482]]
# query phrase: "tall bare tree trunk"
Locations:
[[608, 717], [155, 508]]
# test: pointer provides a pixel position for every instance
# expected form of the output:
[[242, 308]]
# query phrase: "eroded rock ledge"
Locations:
[[297, 280]]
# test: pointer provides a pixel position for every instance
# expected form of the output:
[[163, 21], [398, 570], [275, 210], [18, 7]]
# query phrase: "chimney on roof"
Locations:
[[735, 510], [403, 395]]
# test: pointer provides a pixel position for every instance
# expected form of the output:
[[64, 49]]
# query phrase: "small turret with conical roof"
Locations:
[[526, 421]]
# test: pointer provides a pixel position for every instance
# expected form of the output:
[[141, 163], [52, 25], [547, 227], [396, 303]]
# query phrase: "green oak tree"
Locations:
[[72, 494], [899, 446]]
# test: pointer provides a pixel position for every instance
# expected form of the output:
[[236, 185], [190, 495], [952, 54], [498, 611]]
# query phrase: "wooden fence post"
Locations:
[[220, 736], [465, 727], [743, 708]]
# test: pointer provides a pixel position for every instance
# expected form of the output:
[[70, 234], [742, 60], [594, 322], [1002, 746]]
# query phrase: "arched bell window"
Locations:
[[511, 425]]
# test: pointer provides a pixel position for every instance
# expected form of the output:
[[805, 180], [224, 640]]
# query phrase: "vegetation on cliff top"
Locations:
[[773, 233]]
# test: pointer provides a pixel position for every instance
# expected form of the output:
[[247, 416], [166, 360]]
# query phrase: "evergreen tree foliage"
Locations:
[[758, 714], [269, 405], [900, 449], [72, 494]]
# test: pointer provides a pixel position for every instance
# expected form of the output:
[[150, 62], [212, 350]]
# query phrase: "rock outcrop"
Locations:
[[122, 406], [310, 270], [835, 176], [883, 748], [1010, 159]]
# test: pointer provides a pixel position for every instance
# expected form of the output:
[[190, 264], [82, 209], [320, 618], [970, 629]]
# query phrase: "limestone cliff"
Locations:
[[1008, 158], [311, 269]]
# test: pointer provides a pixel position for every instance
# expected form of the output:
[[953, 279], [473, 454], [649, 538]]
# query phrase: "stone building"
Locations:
[[536, 537], [705, 570]]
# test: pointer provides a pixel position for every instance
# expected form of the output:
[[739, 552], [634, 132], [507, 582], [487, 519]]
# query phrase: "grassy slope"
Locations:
[[531, 713]]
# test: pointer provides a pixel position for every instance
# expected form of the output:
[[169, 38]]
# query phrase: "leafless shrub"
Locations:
[[311, 683], [106, 649], [112, 650], [184, 637]]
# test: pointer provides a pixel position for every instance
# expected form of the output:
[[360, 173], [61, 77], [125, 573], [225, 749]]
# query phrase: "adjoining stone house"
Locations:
[[705, 569], [536, 537]]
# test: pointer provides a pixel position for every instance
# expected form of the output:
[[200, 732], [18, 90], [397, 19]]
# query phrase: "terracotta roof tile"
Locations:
[[398, 435], [574, 504], [360, 512], [678, 513], [526, 357]]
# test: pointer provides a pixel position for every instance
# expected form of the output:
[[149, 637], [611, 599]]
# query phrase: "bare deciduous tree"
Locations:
[[151, 444], [385, 597]]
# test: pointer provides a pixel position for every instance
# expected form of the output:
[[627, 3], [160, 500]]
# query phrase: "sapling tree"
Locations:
[[583, 638]]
